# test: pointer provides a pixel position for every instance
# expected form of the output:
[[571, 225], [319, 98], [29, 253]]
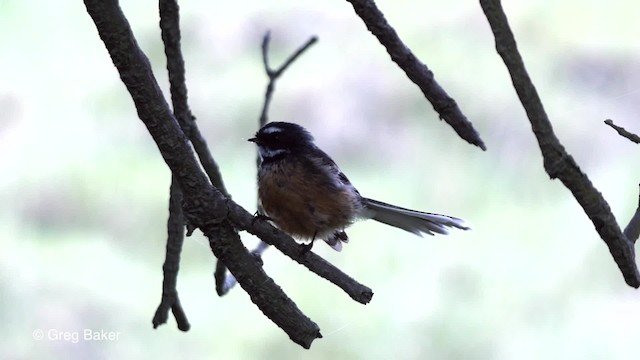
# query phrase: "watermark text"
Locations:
[[75, 336]]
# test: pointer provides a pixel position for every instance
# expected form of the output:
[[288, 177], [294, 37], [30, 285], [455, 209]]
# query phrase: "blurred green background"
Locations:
[[83, 191]]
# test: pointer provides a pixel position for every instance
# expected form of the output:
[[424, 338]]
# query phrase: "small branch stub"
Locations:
[[623, 132]]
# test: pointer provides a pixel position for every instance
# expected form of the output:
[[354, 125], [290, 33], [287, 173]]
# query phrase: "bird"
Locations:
[[304, 193]]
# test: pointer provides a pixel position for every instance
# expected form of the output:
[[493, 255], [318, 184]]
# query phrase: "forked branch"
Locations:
[[557, 162], [204, 205]]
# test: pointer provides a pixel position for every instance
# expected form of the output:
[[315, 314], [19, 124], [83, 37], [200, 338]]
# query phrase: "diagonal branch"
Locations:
[[557, 162], [316, 264], [226, 282], [416, 71], [205, 207], [623, 132]]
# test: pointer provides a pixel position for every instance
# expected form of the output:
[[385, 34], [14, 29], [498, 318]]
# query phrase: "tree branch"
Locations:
[[175, 230], [175, 225], [283, 242], [557, 162], [632, 231], [623, 132], [264, 292], [205, 207], [170, 31], [170, 27], [417, 71], [275, 74]]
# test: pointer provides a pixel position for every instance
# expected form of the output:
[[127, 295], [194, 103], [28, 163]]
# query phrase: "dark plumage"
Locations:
[[304, 193]]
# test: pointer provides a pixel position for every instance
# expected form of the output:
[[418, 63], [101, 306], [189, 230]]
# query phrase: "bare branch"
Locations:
[[224, 242], [170, 27], [416, 71], [623, 132], [265, 55], [170, 30], [175, 229], [557, 162], [632, 231], [262, 229], [275, 74], [204, 206], [175, 223]]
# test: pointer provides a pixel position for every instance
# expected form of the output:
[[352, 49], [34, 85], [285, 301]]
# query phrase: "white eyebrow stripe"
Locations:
[[271, 130]]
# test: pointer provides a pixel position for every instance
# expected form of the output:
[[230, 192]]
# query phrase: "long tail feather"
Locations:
[[416, 222]]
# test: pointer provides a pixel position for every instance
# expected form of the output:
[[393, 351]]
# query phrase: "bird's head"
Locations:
[[278, 139]]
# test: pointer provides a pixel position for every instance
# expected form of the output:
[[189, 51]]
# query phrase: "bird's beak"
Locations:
[[254, 140]]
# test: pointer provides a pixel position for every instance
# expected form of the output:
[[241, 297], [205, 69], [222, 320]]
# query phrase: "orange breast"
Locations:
[[303, 202]]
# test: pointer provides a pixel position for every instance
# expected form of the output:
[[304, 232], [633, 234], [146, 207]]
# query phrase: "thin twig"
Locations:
[[275, 74], [224, 281], [557, 162], [175, 230], [632, 231], [623, 132], [170, 28], [416, 71], [169, 25]]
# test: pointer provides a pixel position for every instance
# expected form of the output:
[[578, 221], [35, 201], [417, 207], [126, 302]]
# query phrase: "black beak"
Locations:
[[254, 140]]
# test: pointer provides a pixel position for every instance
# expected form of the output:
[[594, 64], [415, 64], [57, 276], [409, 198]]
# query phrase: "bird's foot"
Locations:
[[258, 216], [305, 248]]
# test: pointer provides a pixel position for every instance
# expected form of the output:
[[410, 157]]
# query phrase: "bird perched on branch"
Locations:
[[304, 193]]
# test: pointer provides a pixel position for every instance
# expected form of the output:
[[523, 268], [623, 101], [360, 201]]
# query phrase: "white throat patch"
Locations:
[[266, 153]]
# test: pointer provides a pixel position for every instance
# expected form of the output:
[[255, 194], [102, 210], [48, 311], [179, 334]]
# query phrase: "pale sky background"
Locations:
[[83, 191]]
